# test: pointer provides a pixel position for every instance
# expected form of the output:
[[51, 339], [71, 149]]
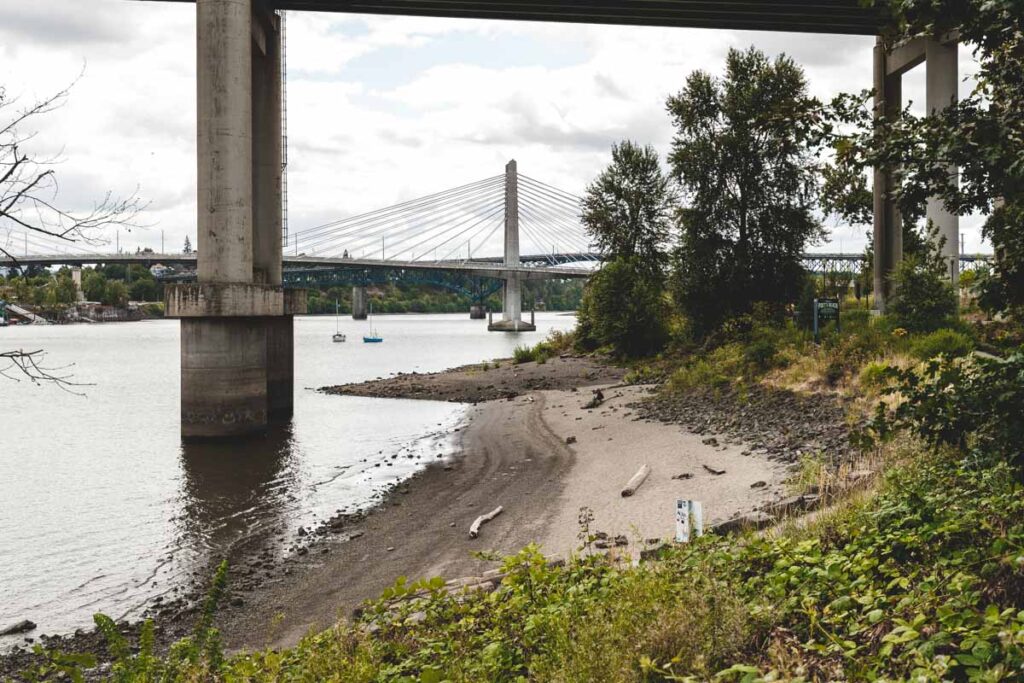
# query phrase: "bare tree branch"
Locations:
[[28, 200], [29, 366], [29, 188]]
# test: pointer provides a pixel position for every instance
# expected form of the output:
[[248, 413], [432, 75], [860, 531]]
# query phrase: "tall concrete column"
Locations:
[[512, 298], [359, 301], [236, 329], [76, 278], [224, 98], [267, 214], [941, 80], [266, 149], [888, 225]]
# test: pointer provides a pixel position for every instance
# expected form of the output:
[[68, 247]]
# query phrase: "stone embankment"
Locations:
[[779, 423]]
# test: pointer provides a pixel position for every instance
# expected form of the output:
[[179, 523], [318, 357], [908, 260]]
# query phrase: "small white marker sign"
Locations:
[[689, 516]]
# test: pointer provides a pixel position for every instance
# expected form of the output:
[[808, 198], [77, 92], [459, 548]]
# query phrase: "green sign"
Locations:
[[825, 310]]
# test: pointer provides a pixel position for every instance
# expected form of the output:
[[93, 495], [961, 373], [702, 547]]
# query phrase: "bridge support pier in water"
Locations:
[[477, 312], [359, 303], [237, 355], [512, 295]]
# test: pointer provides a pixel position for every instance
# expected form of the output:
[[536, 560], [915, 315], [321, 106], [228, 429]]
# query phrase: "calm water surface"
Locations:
[[102, 508]]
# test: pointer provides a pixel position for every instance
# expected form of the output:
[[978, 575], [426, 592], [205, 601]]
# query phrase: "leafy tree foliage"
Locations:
[[923, 300], [744, 155], [982, 134], [623, 308], [628, 209]]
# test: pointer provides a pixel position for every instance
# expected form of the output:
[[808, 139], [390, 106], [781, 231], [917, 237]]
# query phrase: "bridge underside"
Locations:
[[811, 16]]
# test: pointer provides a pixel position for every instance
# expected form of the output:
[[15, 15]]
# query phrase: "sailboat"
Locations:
[[338, 336], [372, 337]]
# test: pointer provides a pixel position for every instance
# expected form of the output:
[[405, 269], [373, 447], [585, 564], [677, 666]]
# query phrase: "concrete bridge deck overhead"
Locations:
[[809, 16]]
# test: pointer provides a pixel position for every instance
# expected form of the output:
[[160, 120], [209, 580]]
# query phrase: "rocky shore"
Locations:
[[488, 381]]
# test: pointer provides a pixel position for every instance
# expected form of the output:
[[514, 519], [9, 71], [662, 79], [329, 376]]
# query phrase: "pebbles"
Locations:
[[780, 423]]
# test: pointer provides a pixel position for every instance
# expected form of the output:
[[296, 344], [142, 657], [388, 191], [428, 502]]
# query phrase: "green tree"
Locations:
[[923, 299], [143, 289], [624, 309], [745, 155], [982, 134], [94, 285], [628, 209], [115, 294]]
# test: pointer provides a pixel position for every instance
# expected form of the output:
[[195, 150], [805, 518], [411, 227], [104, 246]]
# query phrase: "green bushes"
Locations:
[[923, 300], [523, 354], [969, 403], [623, 309], [947, 342], [556, 344]]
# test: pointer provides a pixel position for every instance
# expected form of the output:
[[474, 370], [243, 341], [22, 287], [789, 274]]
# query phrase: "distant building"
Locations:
[[159, 270]]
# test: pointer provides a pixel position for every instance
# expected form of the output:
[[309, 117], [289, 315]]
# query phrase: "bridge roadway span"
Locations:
[[534, 268]]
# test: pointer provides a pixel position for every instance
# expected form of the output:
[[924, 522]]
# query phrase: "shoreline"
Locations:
[[536, 448]]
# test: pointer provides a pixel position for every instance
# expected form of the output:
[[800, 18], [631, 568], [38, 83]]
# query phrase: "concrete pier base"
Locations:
[[280, 367], [223, 377], [477, 312], [511, 326], [359, 303]]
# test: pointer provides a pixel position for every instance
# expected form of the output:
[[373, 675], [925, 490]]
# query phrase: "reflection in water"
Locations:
[[236, 493]]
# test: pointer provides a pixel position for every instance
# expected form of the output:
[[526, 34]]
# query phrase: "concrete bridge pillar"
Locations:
[[359, 302], [512, 297], [236, 329], [941, 80], [940, 59], [76, 278], [477, 312]]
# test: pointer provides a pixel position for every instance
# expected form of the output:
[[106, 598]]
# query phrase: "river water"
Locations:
[[103, 508]]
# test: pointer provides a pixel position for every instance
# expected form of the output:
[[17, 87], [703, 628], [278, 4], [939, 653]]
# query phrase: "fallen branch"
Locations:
[[474, 529], [636, 481]]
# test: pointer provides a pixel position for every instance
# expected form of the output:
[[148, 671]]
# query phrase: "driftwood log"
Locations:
[[636, 481], [474, 529]]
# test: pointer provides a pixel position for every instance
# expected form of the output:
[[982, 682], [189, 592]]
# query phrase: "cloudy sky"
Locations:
[[380, 109]]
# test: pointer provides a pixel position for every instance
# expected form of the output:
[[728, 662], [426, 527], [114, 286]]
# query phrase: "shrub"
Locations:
[[855, 319], [874, 375], [947, 342], [761, 354], [923, 299], [625, 309], [522, 354], [961, 402]]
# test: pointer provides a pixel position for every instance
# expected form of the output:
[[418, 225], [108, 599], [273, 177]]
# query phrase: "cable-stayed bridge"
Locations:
[[506, 228]]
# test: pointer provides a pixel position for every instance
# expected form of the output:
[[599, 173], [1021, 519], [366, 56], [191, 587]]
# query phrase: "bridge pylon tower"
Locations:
[[512, 293]]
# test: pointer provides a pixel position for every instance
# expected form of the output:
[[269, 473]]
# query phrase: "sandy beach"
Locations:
[[513, 453]]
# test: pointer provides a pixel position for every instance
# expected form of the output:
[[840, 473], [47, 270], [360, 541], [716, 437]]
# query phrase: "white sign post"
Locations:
[[689, 515]]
